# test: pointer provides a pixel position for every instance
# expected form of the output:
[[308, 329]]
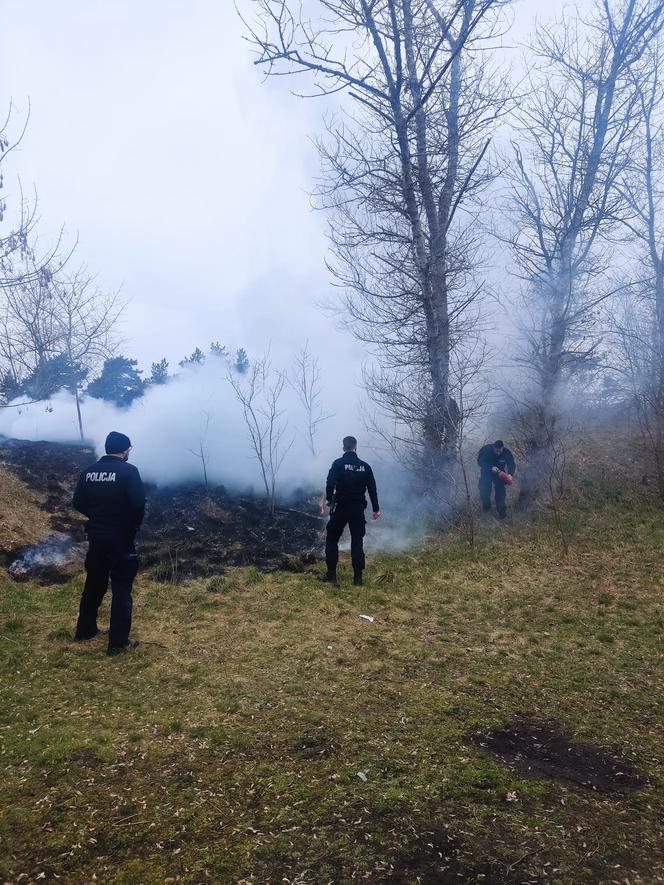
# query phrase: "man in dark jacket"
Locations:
[[347, 482], [493, 459], [110, 493]]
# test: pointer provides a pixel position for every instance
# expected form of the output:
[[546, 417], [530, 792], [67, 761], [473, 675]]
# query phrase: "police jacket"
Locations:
[[487, 459], [110, 493], [349, 479]]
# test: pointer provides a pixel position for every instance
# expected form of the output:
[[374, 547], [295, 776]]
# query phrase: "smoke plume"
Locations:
[[169, 426]]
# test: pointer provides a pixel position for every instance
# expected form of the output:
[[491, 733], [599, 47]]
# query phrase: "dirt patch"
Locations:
[[538, 748], [428, 857], [314, 746], [86, 757], [437, 856], [408, 855]]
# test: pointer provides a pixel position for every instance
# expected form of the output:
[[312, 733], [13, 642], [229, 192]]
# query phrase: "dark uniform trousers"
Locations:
[[118, 561], [351, 515], [487, 480]]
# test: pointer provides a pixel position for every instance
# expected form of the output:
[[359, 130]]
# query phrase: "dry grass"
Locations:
[[22, 519]]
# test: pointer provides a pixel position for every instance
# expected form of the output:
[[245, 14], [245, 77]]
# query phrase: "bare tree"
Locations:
[[555, 479], [20, 261], [306, 384], [14, 241], [401, 170], [28, 326], [85, 319], [50, 314], [577, 133], [637, 365], [641, 327], [202, 452], [259, 392]]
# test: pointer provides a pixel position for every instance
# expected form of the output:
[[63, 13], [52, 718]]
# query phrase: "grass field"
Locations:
[[264, 732]]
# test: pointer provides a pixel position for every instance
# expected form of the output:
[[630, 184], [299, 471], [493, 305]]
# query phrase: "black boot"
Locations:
[[329, 578], [357, 579], [78, 638], [130, 645]]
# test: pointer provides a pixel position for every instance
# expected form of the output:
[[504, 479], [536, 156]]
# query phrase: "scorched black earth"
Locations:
[[48, 467], [190, 531]]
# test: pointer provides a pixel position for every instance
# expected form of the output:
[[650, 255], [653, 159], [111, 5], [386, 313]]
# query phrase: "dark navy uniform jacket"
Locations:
[[349, 479], [110, 493], [487, 459]]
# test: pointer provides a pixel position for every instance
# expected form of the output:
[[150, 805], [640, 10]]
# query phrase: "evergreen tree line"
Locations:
[[119, 380]]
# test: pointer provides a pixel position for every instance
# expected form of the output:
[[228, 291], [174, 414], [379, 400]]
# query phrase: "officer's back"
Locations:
[[347, 482], [110, 493], [351, 478]]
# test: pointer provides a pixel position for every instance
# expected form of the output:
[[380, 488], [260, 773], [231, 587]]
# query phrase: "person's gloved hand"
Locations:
[[495, 470]]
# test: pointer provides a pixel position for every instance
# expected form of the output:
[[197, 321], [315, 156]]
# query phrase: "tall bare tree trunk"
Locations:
[[658, 405], [401, 178], [78, 413]]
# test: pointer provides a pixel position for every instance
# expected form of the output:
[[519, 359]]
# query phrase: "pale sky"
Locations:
[[154, 139]]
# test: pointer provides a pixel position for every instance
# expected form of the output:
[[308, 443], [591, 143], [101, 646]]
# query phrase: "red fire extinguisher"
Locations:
[[506, 478]]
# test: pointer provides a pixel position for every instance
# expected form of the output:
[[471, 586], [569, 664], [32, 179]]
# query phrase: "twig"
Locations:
[[300, 513], [521, 859], [127, 821]]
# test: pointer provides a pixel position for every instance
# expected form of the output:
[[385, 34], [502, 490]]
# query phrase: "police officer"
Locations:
[[348, 480], [492, 459], [110, 493]]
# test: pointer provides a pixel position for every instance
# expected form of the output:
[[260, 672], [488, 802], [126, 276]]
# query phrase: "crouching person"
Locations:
[[497, 466], [110, 493]]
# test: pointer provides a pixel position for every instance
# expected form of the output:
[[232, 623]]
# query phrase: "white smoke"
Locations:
[[167, 425], [57, 550]]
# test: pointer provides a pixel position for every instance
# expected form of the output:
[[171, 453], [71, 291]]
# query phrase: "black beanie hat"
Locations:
[[116, 443], [499, 444]]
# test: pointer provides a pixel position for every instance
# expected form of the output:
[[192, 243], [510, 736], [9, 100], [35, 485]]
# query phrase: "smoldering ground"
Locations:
[[172, 423], [196, 413]]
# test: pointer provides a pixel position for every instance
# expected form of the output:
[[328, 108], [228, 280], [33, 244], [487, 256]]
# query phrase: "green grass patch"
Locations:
[[264, 732]]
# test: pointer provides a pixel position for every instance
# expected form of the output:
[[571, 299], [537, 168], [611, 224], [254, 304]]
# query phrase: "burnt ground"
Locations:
[[44, 475], [192, 532], [51, 468], [189, 531], [537, 748]]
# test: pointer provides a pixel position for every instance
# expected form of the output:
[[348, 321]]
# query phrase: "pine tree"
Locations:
[[241, 364], [9, 387], [159, 372], [219, 350], [120, 381], [197, 358], [52, 375]]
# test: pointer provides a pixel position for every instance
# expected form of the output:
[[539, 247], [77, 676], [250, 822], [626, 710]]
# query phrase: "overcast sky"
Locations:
[[154, 139]]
